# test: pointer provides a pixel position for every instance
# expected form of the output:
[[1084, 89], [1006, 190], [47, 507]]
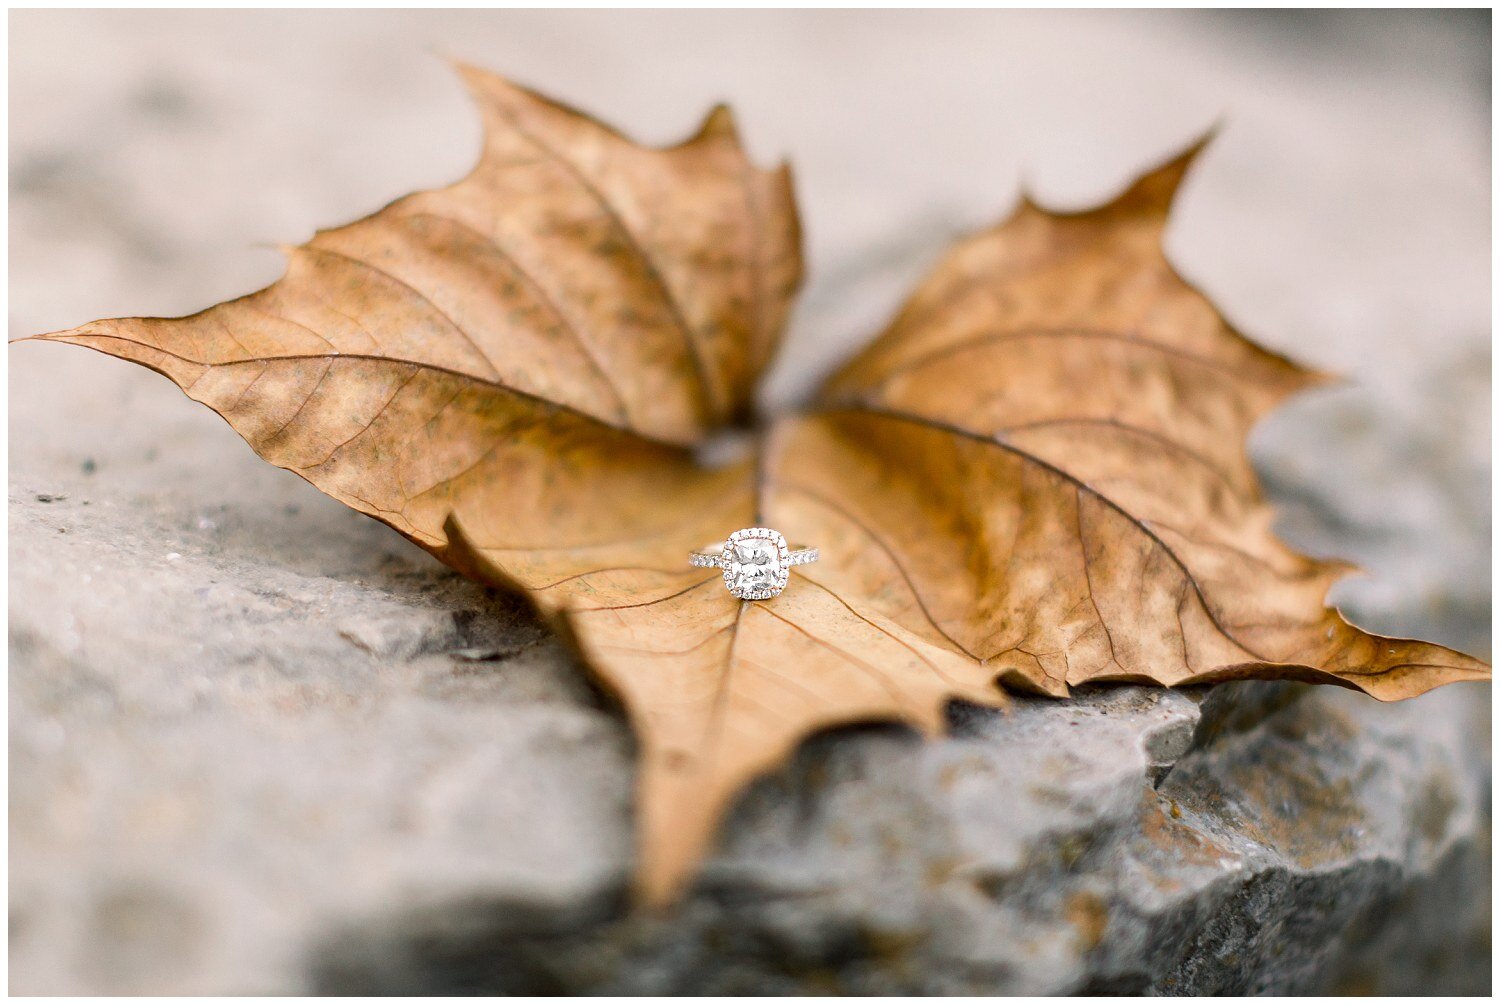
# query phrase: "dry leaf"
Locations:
[[1036, 475]]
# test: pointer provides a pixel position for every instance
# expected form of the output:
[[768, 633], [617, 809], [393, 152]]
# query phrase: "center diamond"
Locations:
[[755, 565], [756, 569]]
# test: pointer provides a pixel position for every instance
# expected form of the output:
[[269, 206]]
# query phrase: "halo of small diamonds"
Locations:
[[756, 563]]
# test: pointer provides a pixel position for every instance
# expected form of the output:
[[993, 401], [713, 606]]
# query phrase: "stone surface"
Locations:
[[260, 744]]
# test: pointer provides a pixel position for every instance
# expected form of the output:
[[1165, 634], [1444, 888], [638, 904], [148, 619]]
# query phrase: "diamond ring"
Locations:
[[755, 561]]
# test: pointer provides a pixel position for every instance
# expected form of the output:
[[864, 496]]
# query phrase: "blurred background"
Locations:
[[1341, 215]]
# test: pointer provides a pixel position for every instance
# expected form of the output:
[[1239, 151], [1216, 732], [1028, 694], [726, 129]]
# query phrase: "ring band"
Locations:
[[755, 560], [712, 556]]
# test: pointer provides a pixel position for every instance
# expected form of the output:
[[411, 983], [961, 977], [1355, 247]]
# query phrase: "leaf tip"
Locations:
[[1155, 190], [719, 122], [67, 335], [656, 891], [1150, 193], [497, 95], [472, 76], [1394, 687], [288, 250], [1316, 378]]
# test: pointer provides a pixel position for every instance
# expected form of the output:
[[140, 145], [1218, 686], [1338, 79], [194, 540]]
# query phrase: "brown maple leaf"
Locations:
[[1035, 477]]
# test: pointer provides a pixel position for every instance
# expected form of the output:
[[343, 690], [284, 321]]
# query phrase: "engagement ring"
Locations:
[[755, 562]]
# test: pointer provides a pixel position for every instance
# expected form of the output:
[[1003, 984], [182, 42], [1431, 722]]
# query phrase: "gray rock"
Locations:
[[246, 795], [260, 744]]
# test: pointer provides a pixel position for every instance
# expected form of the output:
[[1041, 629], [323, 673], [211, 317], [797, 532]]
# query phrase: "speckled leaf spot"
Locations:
[[1034, 478]]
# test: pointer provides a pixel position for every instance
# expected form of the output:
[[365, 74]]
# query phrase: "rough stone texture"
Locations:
[[260, 744]]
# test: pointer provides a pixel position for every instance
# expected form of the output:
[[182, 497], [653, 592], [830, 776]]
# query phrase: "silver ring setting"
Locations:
[[756, 562]]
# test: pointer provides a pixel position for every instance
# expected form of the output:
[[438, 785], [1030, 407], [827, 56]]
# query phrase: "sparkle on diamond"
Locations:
[[756, 565]]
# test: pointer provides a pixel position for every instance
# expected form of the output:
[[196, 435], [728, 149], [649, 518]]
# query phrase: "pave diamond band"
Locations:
[[712, 557], [755, 561]]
